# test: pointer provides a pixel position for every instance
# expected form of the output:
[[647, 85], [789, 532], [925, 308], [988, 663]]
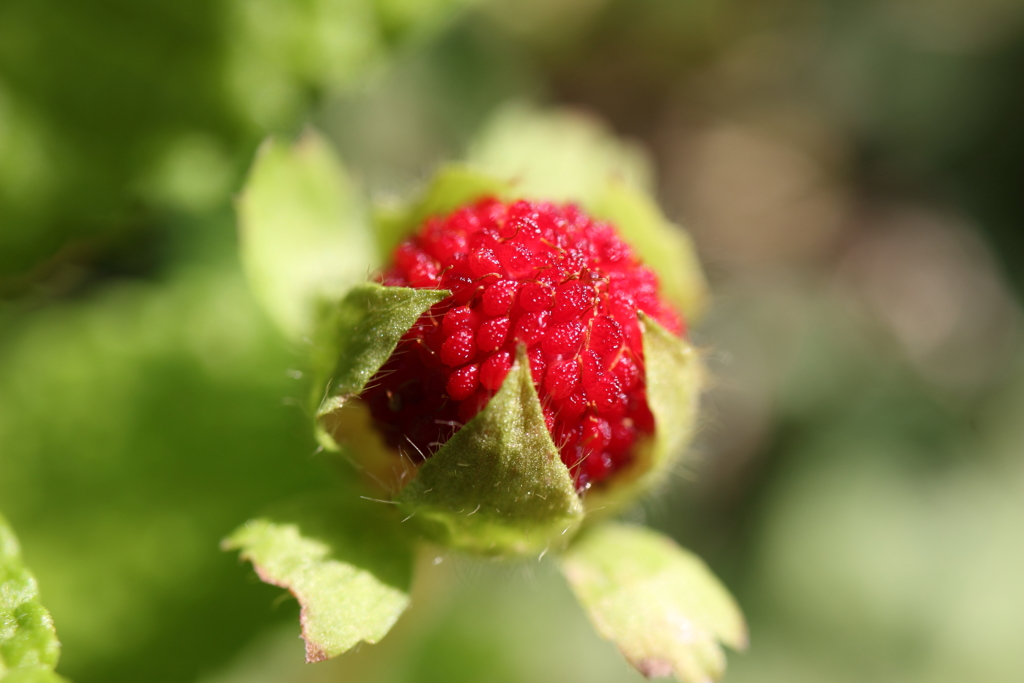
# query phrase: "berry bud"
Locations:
[[527, 378]]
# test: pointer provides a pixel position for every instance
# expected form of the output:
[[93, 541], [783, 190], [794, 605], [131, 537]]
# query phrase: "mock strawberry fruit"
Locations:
[[523, 365], [544, 278]]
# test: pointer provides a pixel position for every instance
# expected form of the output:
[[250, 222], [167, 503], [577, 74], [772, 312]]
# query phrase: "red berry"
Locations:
[[544, 276]]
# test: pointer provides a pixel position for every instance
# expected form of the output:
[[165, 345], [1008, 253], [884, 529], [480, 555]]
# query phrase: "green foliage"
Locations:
[[660, 604], [101, 133], [28, 643], [498, 485], [137, 427], [303, 235], [344, 558]]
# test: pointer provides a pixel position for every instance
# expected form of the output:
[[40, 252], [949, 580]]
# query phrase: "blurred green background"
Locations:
[[852, 172]]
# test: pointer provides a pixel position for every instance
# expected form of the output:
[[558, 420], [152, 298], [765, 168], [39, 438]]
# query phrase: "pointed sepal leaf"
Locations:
[[346, 560], [453, 186], [498, 486], [674, 376], [556, 155], [663, 246], [658, 603], [356, 335], [28, 642], [303, 230]]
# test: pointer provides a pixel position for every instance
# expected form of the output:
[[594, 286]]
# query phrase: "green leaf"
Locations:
[[665, 247], [659, 603], [345, 560], [557, 155], [28, 642], [498, 486], [303, 232], [453, 186], [357, 334]]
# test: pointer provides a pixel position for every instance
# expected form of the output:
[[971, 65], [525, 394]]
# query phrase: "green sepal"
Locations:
[[674, 378], [659, 603], [663, 246], [498, 486], [29, 649], [556, 155], [453, 186], [303, 230], [357, 334], [345, 559]]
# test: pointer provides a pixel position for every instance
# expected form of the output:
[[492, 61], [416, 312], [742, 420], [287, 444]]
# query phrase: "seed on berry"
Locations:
[[605, 335], [572, 406], [531, 326], [537, 366], [572, 299], [494, 369], [484, 262], [498, 297], [536, 296], [492, 334], [597, 433], [562, 378], [459, 348], [626, 371], [463, 382], [460, 317], [608, 397], [564, 340]]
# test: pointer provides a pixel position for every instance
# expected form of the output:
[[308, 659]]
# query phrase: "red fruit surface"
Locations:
[[542, 275]]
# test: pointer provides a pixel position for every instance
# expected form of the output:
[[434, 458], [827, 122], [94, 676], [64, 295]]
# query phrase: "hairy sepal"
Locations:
[[354, 337], [498, 486], [556, 155]]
